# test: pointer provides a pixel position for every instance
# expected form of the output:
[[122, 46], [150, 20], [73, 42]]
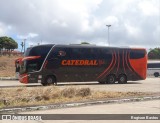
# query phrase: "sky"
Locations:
[[134, 23]]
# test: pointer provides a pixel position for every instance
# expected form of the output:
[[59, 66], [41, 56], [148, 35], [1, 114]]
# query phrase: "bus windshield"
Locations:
[[30, 64], [34, 58]]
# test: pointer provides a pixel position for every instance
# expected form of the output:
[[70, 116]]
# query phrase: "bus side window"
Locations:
[[137, 54], [105, 54], [76, 53], [93, 53], [54, 54]]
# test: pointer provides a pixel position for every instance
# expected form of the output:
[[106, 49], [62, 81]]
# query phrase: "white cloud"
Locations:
[[71, 21], [149, 7], [133, 31], [1, 32], [122, 6], [28, 36], [111, 20], [2, 29], [59, 23], [32, 35]]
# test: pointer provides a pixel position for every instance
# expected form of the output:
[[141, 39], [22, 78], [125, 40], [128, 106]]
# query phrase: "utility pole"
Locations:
[[25, 45], [108, 34], [22, 44]]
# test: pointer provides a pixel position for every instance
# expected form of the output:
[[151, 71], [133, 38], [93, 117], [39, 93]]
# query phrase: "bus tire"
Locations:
[[122, 79], [102, 82], [50, 80], [44, 84], [156, 74], [111, 79]]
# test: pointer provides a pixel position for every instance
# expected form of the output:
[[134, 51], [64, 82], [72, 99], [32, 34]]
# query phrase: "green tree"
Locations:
[[8, 43], [84, 42], [154, 53], [1, 43]]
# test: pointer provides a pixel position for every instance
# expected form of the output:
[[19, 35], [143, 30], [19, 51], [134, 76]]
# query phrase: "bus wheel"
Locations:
[[111, 79], [156, 74], [122, 79], [102, 82], [50, 80]]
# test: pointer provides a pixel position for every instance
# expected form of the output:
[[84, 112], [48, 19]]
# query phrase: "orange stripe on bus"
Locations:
[[139, 66]]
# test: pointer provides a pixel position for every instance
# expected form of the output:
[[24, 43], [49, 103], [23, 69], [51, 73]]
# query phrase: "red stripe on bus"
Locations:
[[123, 62], [45, 64], [30, 58], [115, 59], [106, 68], [127, 58], [118, 63]]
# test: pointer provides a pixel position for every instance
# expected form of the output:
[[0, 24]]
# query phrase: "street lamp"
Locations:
[[108, 33]]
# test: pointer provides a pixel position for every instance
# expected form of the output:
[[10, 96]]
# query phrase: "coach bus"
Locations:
[[50, 64], [153, 68]]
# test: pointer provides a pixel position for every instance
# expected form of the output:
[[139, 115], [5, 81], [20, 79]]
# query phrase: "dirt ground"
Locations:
[[7, 66]]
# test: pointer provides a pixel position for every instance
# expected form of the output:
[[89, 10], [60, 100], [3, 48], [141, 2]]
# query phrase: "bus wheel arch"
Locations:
[[111, 79], [50, 80], [122, 79]]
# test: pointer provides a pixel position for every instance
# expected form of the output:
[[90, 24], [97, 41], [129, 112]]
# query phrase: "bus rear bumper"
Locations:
[[23, 78]]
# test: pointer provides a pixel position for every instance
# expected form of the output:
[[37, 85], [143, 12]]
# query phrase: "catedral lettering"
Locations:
[[79, 62]]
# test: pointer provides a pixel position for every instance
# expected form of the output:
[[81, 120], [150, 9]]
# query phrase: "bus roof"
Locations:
[[94, 46], [83, 46]]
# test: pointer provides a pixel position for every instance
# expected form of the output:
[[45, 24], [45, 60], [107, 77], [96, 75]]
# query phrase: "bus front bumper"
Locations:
[[23, 78]]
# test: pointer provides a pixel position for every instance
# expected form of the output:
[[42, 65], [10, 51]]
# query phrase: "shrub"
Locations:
[[83, 92], [68, 92]]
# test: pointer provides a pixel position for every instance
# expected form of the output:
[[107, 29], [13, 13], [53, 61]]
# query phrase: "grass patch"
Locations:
[[24, 96]]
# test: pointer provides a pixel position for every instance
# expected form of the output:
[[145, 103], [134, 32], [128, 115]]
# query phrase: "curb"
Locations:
[[69, 105], [8, 78]]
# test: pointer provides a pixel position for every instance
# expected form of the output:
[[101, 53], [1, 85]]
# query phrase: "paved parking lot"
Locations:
[[146, 107], [148, 85]]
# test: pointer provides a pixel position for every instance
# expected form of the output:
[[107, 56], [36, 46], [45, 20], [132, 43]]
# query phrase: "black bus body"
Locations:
[[48, 64]]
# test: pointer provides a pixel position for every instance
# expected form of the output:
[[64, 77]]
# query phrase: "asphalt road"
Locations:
[[148, 85]]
